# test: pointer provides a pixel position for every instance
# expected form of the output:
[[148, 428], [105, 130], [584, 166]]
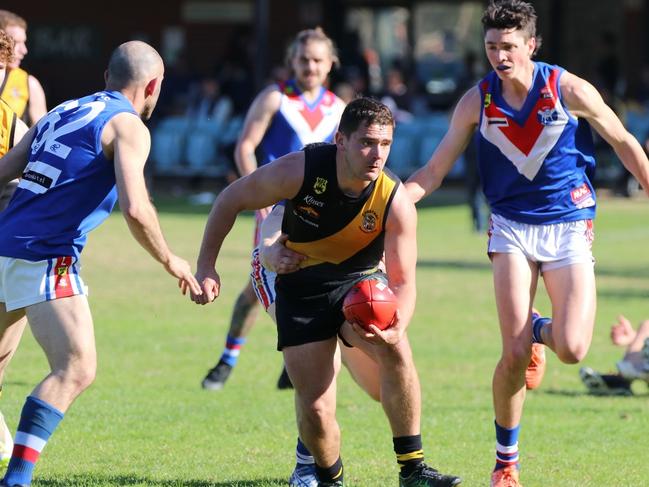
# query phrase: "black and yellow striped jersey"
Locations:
[[340, 235], [15, 90], [7, 127]]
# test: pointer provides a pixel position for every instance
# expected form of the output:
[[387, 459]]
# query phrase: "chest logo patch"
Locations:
[[370, 219], [320, 185]]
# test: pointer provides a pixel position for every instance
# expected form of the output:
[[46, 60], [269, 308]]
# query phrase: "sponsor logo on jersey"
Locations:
[[370, 220], [546, 94], [307, 210], [582, 196], [548, 116], [37, 178], [310, 200], [487, 100], [320, 185]]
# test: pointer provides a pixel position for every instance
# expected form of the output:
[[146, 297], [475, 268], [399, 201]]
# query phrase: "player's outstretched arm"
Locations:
[[583, 100], [127, 140], [37, 105], [463, 123], [264, 187]]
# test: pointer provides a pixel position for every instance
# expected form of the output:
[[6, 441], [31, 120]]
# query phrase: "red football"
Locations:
[[370, 301]]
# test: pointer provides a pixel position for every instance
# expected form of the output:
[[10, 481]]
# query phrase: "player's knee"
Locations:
[[318, 413], [81, 374], [515, 359], [571, 353]]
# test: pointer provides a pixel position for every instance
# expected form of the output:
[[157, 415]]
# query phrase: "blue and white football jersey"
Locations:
[[536, 163], [68, 187], [298, 122]]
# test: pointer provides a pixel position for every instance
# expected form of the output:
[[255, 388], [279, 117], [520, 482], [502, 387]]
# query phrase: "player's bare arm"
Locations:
[[583, 100], [463, 123], [258, 119], [264, 187], [13, 163], [20, 130], [127, 141], [273, 253], [400, 264], [37, 105]]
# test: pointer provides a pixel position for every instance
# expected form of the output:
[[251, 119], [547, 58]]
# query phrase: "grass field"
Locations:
[[146, 421]]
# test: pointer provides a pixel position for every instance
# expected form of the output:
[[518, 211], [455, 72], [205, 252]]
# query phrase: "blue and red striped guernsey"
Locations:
[[536, 162], [298, 122]]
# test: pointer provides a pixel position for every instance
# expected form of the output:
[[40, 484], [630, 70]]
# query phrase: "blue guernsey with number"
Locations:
[[68, 186], [536, 163]]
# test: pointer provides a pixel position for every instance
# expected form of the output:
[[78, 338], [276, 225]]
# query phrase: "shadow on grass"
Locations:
[[126, 480], [638, 272], [572, 393], [455, 264], [623, 293]]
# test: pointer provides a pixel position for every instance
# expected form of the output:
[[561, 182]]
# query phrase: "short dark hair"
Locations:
[[366, 110], [512, 14]]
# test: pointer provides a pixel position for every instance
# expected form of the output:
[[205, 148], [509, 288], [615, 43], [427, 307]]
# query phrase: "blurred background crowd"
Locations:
[[417, 56]]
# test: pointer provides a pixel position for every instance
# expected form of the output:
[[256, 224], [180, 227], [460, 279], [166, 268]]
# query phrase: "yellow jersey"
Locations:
[[15, 90], [7, 127]]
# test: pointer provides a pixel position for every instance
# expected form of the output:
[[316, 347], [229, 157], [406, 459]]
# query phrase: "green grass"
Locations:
[[146, 422]]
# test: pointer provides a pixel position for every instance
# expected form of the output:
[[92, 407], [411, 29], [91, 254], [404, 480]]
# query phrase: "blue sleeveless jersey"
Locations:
[[536, 163], [68, 186], [298, 123]]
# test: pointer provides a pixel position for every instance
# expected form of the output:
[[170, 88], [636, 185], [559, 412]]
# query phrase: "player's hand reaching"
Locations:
[[279, 258], [622, 332], [210, 285], [181, 269], [388, 337]]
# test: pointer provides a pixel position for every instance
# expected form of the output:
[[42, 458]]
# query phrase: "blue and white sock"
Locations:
[[232, 349], [302, 454], [506, 446], [37, 423]]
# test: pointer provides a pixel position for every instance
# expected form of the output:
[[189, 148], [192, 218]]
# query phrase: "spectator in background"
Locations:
[[633, 366], [173, 99], [397, 96], [208, 103], [345, 91]]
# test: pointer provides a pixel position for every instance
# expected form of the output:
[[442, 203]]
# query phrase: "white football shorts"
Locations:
[[552, 246], [23, 282], [263, 281]]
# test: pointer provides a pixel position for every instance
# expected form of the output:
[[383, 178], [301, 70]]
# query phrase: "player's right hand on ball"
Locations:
[[210, 284], [388, 337]]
